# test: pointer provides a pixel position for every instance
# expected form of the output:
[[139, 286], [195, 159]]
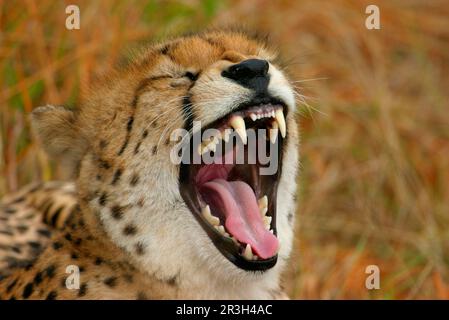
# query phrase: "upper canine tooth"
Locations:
[[279, 115], [238, 124], [273, 132], [248, 254], [253, 117], [272, 114], [209, 217]]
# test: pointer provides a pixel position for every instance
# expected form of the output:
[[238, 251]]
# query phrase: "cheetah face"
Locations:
[[224, 199], [229, 178]]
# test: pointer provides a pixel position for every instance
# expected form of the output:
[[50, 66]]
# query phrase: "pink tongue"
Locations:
[[238, 203]]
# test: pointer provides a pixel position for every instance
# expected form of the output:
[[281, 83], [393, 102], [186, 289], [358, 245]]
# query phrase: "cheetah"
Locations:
[[145, 219]]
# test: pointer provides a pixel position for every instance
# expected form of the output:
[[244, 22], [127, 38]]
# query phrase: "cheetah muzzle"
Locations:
[[234, 203]]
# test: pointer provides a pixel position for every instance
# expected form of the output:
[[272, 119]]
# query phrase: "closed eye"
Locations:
[[192, 76]]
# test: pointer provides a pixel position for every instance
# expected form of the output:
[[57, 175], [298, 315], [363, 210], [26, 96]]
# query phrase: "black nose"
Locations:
[[251, 73]]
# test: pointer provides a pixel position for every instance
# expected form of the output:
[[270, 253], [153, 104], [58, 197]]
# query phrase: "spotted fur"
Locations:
[[132, 236]]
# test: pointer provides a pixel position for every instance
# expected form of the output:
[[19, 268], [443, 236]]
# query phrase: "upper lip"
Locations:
[[225, 244]]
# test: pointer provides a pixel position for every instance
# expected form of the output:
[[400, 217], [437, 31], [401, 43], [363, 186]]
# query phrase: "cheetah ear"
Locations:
[[55, 128]]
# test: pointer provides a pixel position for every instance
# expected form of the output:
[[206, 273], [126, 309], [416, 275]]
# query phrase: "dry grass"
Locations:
[[375, 132]]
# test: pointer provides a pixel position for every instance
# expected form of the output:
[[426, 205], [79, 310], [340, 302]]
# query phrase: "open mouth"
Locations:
[[232, 197]]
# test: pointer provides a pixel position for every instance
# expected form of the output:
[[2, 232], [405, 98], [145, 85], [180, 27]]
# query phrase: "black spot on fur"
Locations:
[[10, 210], [57, 245], [50, 271], [34, 245], [68, 236], [102, 199], [27, 291], [141, 296], [117, 175], [22, 228], [136, 149], [165, 49], [11, 286], [290, 217], [134, 179], [74, 256], [6, 232], [144, 134], [128, 278], [154, 150], [172, 281], [45, 233], [55, 216], [83, 290], [130, 230], [103, 144], [98, 261], [38, 278], [51, 295], [140, 248], [117, 212], [104, 164], [111, 282]]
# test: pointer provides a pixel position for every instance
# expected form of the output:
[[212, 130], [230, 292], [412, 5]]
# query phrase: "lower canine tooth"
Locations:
[[248, 254], [209, 217], [273, 132], [253, 117]]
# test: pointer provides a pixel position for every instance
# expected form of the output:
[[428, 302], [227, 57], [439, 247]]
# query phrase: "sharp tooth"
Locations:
[[212, 146], [216, 139], [263, 202], [238, 124], [202, 148], [272, 114], [221, 229], [226, 135], [248, 254], [253, 117], [273, 132], [267, 222], [263, 205], [281, 122], [209, 217]]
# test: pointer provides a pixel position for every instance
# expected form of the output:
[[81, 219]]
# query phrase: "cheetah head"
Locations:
[[133, 145]]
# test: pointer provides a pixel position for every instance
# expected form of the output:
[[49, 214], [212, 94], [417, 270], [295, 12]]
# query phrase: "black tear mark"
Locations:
[[187, 109], [129, 126]]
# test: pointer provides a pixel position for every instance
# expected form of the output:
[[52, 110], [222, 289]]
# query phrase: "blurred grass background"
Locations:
[[375, 133]]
